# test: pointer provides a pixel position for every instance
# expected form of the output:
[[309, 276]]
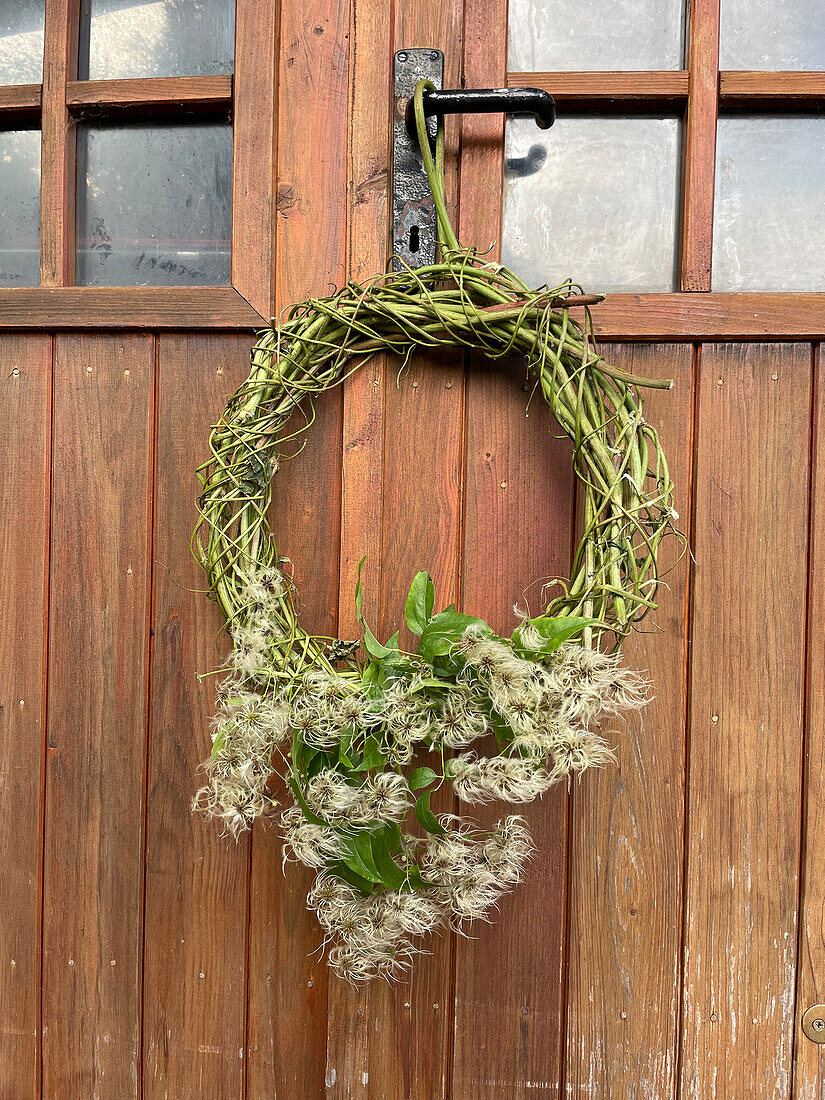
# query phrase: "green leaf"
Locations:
[[443, 631], [391, 874], [375, 649], [217, 744], [356, 853], [342, 871], [420, 601], [302, 802], [554, 629], [426, 818], [359, 591], [422, 777], [373, 756]]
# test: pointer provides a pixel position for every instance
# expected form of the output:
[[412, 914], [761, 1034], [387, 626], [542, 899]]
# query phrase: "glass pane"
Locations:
[[154, 205], [20, 208], [768, 230], [594, 199], [548, 35], [772, 34], [140, 38], [21, 41]]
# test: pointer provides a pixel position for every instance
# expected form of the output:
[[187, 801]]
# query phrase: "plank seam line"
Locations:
[[688, 713], [41, 888], [150, 651], [806, 696]]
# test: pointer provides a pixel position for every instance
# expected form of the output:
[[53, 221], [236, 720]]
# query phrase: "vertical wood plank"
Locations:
[[57, 160], [809, 1057], [196, 881], [746, 720], [348, 1032], [627, 843], [508, 1012], [287, 979], [253, 176], [699, 157], [24, 530], [96, 737]]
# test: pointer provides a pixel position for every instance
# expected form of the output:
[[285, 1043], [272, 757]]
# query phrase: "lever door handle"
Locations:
[[519, 102]]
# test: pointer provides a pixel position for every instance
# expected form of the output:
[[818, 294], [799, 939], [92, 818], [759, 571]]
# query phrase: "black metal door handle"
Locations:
[[519, 102]]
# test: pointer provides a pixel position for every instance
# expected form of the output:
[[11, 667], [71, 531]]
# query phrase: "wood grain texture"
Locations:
[[348, 1027], [711, 317], [628, 821], [745, 748], [24, 492], [196, 881], [508, 1015], [20, 103], [699, 155], [809, 1057], [96, 736], [596, 88], [57, 161], [253, 174], [150, 94], [137, 307], [287, 977], [800, 89]]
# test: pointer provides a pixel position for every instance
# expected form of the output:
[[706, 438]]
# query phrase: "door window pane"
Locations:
[[594, 199], [19, 208], [768, 229], [154, 205], [772, 34], [143, 38], [21, 41], [550, 35]]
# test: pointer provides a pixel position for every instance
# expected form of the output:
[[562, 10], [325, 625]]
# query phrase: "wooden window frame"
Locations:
[[61, 100], [697, 93]]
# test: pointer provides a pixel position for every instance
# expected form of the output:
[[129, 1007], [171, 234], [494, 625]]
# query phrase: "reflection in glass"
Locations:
[[768, 230], [142, 38], [154, 205], [772, 34], [548, 35], [21, 41], [601, 207], [19, 208]]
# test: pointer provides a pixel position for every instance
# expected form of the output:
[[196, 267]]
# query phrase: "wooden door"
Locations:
[[668, 938]]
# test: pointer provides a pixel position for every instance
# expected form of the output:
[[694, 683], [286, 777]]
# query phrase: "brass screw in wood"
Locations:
[[813, 1023]]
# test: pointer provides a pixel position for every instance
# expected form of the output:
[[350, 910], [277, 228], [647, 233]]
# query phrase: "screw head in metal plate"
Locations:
[[401, 56], [813, 1023]]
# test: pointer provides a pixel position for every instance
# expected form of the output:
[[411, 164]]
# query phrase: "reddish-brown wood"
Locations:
[[627, 847], [348, 1027], [24, 528], [508, 1017], [96, 734], [809, 1058], [800, 89], [19, 102], [745, 748], [699, 157], [194, 937], [253, 166], [138, 307], [711, 317], [287, 978], [57, 161], [596, 88], [189, 93]]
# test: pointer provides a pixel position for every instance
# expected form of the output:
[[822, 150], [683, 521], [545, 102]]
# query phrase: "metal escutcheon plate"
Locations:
[[414, 233]]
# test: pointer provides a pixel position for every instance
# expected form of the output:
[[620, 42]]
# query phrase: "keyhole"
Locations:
[[415, 242]]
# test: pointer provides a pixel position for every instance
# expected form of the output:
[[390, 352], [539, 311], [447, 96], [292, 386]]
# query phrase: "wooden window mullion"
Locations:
[[57, 169], [700, 146]]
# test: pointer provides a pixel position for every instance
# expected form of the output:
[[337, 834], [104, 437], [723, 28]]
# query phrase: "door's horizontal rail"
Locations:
[[151, 94], [710, 316], [20, 102], [140, 307], [752, 88], [605, 87]]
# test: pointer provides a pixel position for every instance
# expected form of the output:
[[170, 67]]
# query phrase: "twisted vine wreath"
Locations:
[[363, 734]]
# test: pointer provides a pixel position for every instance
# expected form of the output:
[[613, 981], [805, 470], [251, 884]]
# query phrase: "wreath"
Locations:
[[363, 733]]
